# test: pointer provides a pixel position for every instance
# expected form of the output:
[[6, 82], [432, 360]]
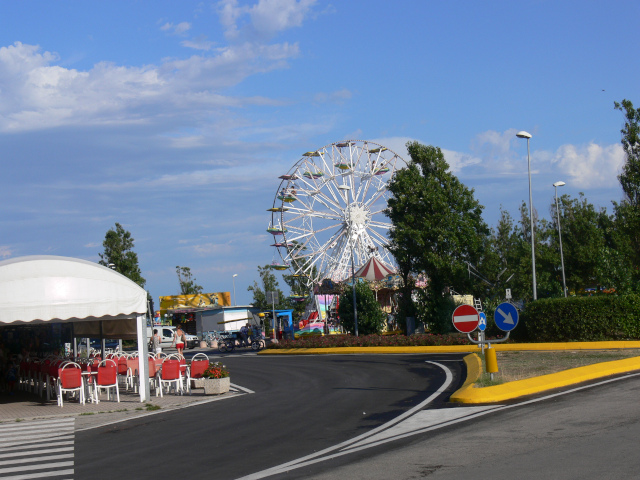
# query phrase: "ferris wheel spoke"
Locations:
[[327, 202], [379, 212], [382, 241], [376, 196], [386, 225]]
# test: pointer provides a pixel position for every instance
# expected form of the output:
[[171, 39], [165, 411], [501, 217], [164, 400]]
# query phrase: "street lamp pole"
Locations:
[[353, 281], [527, 135], [234, 288], [564, 282]]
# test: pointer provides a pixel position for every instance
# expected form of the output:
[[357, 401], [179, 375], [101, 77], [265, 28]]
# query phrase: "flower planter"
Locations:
[[216, 386]]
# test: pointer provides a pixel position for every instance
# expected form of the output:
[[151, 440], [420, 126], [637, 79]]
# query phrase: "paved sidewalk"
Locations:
[[28, 406]]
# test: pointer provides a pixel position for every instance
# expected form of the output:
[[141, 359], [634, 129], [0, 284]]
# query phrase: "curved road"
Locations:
[[300, 405]]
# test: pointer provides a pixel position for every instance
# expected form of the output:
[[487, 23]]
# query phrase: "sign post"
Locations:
[[482, 326], [273, 297], [466, 319]]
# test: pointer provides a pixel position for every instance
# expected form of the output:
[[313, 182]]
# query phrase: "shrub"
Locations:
[[580, 319], [371, 318], [330, 341]]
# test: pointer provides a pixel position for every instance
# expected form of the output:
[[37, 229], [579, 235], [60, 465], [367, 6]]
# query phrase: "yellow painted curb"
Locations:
[[474, 369], [500, 347], [519, 388], [369, 350]]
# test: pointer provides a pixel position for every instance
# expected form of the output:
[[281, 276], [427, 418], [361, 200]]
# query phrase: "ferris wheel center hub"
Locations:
[[358, 215]]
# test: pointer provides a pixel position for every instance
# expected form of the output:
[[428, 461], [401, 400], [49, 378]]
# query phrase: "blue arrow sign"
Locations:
[[483, 322], [506, 317]]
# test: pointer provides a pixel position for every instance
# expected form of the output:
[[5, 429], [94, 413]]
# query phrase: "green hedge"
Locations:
[[580, 319]]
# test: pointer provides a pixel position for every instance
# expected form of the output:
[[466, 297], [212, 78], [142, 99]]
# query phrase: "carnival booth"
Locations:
[[93, 300]]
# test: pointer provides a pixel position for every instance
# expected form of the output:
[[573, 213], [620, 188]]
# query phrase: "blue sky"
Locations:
[[175, 119]]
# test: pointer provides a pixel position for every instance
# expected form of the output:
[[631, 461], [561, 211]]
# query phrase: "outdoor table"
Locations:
[[89, 379]]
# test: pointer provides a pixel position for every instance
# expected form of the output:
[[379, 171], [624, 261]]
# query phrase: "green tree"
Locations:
[[438, 227], [509, 246], [268, 283], [371, 318], [583, 241], [118, 251], [628, 211], [188, 285]]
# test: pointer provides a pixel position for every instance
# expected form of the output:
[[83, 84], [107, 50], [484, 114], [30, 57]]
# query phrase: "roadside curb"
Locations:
[[468, 394], [453, 348]]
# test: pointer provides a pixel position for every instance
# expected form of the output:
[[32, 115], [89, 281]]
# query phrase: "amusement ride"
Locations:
[[328, 216]]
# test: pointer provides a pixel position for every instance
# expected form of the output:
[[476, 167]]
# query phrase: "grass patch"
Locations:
[[151, 408], [514, 366], [19, 419], [87, 413]]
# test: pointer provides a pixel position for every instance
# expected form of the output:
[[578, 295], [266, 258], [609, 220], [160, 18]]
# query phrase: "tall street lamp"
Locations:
[[527, 135], [564, 282], [234, 288], [353, 268]]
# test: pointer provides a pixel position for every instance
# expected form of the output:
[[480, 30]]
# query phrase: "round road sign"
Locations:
[[465, 318], [482, 325], [506, 317]]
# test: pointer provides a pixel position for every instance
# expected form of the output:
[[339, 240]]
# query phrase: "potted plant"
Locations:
[[216, 379]]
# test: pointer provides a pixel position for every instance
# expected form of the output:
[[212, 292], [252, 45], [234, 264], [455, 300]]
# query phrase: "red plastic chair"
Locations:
[[154, 382], [170, 375], [199, 363], [133, 366], [107, 379], [69, 379]]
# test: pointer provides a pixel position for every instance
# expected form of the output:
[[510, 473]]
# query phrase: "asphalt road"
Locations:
[[589, 434], [300, 405]]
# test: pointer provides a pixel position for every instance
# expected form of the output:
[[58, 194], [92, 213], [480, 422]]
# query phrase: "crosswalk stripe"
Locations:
[[37, 449], [40, 439], [36, 467], [30, 476], [35, 459], [23, 447], [16, 453]]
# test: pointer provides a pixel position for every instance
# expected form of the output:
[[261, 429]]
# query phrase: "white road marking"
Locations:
[[326, 454], [410, 423], [25, 446]]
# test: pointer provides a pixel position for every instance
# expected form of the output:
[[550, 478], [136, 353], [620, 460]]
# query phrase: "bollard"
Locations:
[[491, 360]]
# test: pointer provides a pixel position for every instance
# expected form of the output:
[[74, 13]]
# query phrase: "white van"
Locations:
[[167, 332]]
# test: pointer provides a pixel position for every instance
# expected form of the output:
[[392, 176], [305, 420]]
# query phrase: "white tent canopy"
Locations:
[[47, 288]]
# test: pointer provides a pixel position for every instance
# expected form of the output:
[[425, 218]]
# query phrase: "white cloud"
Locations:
[[178, 29], [495, 150], [272, 16], [456, 160], [264, 19], [591, 165], [198, 43], [36, 94], [334, 97], [493, 156]]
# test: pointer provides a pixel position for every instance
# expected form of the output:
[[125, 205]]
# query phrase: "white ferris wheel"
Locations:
[[329, 209]]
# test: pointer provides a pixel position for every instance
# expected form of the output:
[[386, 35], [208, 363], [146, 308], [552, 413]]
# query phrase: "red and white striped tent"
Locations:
[[374, 270]]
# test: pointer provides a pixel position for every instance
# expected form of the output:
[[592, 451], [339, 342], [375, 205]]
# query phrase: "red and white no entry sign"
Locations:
[[465, 318]]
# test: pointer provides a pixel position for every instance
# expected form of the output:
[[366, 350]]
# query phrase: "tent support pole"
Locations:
[[143, 356]]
